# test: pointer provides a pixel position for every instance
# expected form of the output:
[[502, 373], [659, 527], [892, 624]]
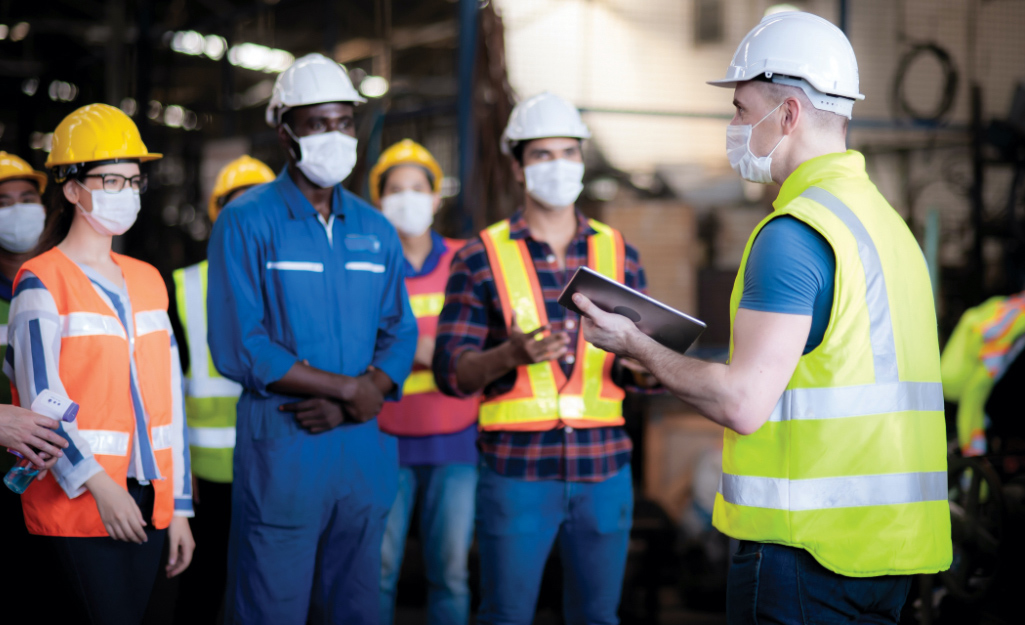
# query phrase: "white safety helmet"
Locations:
[[313, 79], [542, 116], [801, 50]]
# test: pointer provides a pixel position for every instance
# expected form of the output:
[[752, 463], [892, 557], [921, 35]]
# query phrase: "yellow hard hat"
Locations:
[[96, 132], [405, 152], [244, 171], [15, 168]]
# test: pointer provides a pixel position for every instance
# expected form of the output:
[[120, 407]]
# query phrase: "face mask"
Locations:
[[742, 160], [20, 227], [113, 213], [555, 184], [326, 158], [411, 212]]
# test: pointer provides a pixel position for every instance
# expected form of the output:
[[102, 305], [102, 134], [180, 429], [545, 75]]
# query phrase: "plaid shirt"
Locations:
[[472, 320]]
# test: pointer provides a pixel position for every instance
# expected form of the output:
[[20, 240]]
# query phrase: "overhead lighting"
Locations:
[[30, 86], [215, 46], [188, 42], [174, 115], [3, 31], [156, 110], [40, 141], [374, 86], [129, 106], [260, 58], [780, 8], [19, 31], [61, 91]]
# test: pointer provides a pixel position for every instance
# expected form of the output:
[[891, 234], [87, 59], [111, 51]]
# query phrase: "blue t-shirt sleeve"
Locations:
[[791, 269]]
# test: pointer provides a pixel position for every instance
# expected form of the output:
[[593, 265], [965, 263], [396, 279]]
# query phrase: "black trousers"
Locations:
[[202, 585], [113, 579]]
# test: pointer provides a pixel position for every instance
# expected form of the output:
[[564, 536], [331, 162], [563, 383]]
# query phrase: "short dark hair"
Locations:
[[517, 151]]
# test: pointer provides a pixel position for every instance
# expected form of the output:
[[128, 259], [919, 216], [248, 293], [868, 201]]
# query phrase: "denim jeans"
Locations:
[[447, 494], [518, 522], [787, 586]]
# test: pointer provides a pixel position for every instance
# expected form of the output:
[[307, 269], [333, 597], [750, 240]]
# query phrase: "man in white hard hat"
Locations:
[[834, 459], [308, 311], [556, 460]]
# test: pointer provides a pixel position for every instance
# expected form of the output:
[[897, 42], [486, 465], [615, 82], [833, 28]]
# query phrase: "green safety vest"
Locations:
[[210, 398], [974, 358], [851, 465]]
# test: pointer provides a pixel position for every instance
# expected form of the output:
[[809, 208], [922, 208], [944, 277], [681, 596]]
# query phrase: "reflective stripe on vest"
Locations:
[[212, 438], [542, 398], [210, 399], [423, 305], [91, 324], [854, 521]]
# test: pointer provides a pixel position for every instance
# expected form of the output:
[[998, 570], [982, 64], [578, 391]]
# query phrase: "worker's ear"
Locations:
[[288, 144], [792, 113], [517, 170], [73, 194]]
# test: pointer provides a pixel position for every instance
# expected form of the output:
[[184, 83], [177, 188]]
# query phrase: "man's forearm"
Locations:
[[305, 380], [475, 370], [704, 385]]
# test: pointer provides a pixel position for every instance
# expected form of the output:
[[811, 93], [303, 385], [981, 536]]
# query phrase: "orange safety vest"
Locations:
[[95, 369], [424, 410], [542, 398]]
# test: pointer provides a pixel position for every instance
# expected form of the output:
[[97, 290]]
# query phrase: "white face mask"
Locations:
[[411, 212], [742, 159], [20, 226], [555, 184], [113, 213], [326, 158]]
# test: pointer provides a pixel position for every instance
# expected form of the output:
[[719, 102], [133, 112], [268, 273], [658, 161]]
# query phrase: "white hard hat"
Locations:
[[542, 116], [313, 79], [797, 45]]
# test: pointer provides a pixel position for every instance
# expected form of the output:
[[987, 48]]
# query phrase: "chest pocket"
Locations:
[[365, 268], [299, 284]]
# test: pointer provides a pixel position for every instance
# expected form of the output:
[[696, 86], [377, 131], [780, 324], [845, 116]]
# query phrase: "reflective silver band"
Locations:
[[106, 442], [833, 492], [857, 401], [884, 347], [162, 436], [212, 438], [148, 321], [198, 383], [91, 324]]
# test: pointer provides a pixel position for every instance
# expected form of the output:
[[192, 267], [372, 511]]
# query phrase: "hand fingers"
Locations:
[[45, 446], [297, 406], [42, 475], [632, 365], [135, 531], [31, 456], [114, 531], [586, 306], [47, 422], [535, 332]]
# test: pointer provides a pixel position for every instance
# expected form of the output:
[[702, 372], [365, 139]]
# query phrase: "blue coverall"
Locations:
[[309, 510]]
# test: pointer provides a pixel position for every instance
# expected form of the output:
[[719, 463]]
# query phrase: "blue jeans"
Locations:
[[787, 586], [447, 496], [518, 522]]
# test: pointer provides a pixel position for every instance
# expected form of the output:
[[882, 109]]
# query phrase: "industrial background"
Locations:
[[942, 127]]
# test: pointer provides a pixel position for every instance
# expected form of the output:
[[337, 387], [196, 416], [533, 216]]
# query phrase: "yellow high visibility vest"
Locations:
[[851, 465], [542, 398], [210, 398]]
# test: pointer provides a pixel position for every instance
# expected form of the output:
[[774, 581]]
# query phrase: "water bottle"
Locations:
[[48, 404]]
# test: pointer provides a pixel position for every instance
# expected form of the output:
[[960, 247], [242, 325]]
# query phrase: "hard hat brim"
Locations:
[[142, 158]]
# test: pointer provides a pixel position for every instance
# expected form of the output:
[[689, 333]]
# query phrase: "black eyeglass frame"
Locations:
[[138, 183]]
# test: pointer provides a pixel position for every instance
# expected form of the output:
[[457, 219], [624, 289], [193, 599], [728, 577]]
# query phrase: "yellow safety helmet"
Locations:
[[244, 171], [15, 168], [95, 132], [405, 152]]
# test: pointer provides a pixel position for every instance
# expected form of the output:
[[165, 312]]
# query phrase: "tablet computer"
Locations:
[[668, 326]]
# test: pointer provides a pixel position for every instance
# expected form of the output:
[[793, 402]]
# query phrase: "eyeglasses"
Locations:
[[114, 183]]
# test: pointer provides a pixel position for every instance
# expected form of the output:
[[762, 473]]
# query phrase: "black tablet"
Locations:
[[668, 326]]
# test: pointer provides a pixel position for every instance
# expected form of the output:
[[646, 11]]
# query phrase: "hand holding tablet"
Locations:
[[668, 326]]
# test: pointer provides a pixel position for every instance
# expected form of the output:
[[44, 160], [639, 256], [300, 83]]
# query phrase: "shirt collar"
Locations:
[[847, 165], [518, 228], [438, 249], [298, 206]]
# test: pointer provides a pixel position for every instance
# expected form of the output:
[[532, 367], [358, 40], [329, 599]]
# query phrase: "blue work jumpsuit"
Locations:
[[309, 510]]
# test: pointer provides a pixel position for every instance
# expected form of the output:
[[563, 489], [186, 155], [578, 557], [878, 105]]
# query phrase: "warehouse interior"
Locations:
[[942, 128]]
